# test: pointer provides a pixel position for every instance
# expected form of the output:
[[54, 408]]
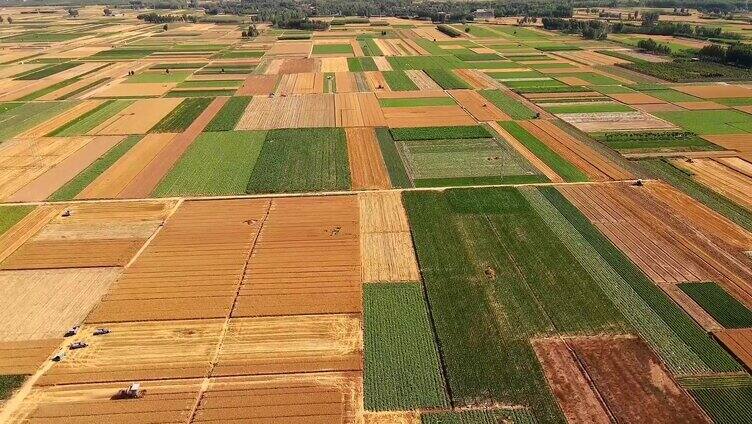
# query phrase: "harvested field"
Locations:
[[636, 98], [345, 82], [715, 91], [739, 142], [26, 356], [290, 48], [306, 260], [294, 398], [23, 161], [579, 402], [358, 110], [174, 349], [399, 117], [706, 105], [304, 111], [615, 121], [387, 252], [48, 126], [143, 89], [48, 183], [291, 344], [478, 106], [116, 178], [299, 66], [476, 79], [258, 85], [382, 63], [732, 182], [147, 180], [198, 257], [334, 64], [376, 81], [164, 401], [18, 234], [31, 305], [422, 80], [367, 168], [304, 83], [588, 160], [590, 58], [633, 383], [738, 342], [137, 118], [664, 243]]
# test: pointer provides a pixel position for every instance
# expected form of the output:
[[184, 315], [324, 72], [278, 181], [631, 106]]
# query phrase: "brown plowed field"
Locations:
[[306, 83], [25, 357], [303, 111], [739, 142], [49, 182], [299, 66], [382, 63], [22, 161], [116, 178], [336, 64], [358, 110], [707, 105], [376, 81], [310, 398], [164, 401], [633, 383], [422, 80], [367, 168], [739, 342], [306, 260], [290, 48], [197, 258], [345, 82], [258, 85], [291, 344], [478, 106], [41, 304], [725, 180], [432, 116], [386, 245], [26, 228], [588, 160], [148, 179], [663, 242], [137, 118], [579, 402], [72, 254], [715, 91], [138, 351]]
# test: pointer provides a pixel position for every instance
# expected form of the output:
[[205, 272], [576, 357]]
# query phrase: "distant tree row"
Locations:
[[156, 18], [591, 29], [734, 54]]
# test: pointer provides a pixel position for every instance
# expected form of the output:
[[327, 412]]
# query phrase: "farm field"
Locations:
[[381, 220]]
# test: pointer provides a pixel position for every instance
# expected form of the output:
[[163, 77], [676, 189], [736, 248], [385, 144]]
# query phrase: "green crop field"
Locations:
[[402, 370], [91, 119], [662, 141], [229, 115], [24, 117], [399, 81], [46, 71], [301, 160], [397, 173], [70, 189], [710, 121], [425, 62], [10, 215], [211, 84], [440, 133], [724, 308], [514, 108], [725, 399], [558, 164], [495, 276], [182, 116], [332, 49], [446, 79], [9, 383], [217, 163], [360, 64]]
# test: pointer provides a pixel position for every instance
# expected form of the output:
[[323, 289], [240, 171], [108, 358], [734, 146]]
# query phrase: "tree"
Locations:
[[650, 18], [252, 31], [10, 20], [73, 13], [164, 28]]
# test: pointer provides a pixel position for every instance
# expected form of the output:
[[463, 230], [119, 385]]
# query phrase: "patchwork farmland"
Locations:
[[382, 220]]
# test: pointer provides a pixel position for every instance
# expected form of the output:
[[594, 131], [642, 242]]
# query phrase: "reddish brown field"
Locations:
[[306, 260], [739, 342], [258, 85], [478, 106]]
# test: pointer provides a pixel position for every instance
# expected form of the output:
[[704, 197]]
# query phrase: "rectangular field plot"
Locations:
[[738, 342], [217, 163], [306, 260], [728, 311], [93, 235], [158, 350], [164, 401], [464, 162], [402, 369], [137, 118], [729, 177], [291, 344], [24, 357], [197, 258], [295, 398], [367, 169], [487, 262], [299, 160]]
